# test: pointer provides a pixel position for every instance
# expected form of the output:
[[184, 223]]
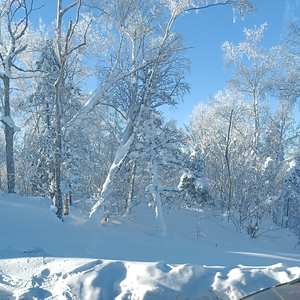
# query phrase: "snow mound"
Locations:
[[73, 278]]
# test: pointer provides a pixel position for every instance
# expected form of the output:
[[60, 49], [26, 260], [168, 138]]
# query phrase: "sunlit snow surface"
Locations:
[[203, 257]]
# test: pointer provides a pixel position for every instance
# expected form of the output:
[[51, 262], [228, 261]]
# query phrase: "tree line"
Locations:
[[249, 135], [108, 150]]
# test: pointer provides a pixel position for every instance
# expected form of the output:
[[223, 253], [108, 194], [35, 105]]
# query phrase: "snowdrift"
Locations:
[[203, 257]]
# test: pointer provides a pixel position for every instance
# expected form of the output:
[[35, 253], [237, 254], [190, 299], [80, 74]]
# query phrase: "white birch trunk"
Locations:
[[155, 189], [57, 153], [227, 159], [121, 154], [130, 195], [58, 85]]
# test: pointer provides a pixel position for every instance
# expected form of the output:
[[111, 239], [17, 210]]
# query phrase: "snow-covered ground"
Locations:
[[203, 257]]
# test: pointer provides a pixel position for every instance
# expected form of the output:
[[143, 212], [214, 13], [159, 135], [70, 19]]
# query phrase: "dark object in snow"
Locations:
[[286, 291]]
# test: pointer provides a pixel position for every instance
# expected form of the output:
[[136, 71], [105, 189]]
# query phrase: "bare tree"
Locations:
[[14, 16], [288, 85], [64, 47], [254, 76]]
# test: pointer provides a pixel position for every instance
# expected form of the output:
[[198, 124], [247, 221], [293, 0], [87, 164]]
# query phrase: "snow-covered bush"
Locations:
[[287, 214], [194, 187]]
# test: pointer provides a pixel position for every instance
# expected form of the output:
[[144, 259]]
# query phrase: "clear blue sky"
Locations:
[[205, 33]]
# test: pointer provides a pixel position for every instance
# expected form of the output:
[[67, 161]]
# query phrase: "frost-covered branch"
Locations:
[[96, 98], [62, 12]]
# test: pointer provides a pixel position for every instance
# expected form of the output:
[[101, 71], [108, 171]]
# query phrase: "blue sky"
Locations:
[[205, 33]]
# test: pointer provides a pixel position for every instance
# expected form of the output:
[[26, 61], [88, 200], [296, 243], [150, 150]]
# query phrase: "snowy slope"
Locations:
[[203, 257]]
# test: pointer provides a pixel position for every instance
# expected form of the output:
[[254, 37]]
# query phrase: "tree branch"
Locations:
[[69, 7], [114, 107], [206, 6]]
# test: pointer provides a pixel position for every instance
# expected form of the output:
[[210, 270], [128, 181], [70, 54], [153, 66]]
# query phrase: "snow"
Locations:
[[200, 183], [44, 258], [107, 186], [10, 122]]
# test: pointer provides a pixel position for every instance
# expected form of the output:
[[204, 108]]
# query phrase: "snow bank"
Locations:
[[73, 278]]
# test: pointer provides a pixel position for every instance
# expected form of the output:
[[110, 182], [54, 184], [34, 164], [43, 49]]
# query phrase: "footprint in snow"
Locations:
[[9, 280]]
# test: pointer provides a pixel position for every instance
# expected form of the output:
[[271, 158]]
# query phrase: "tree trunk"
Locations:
[[257, 131], [119, 158], [57, 152], [131, 186], [9, 139], [155, 190], [228, 165]]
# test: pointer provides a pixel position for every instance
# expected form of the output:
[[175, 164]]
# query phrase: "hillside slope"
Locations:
[[203, 257]]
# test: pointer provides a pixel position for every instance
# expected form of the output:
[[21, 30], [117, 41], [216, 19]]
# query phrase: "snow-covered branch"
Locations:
[[96, 99]]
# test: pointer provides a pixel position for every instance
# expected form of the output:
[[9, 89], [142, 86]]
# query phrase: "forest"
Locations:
[[110, 150]]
